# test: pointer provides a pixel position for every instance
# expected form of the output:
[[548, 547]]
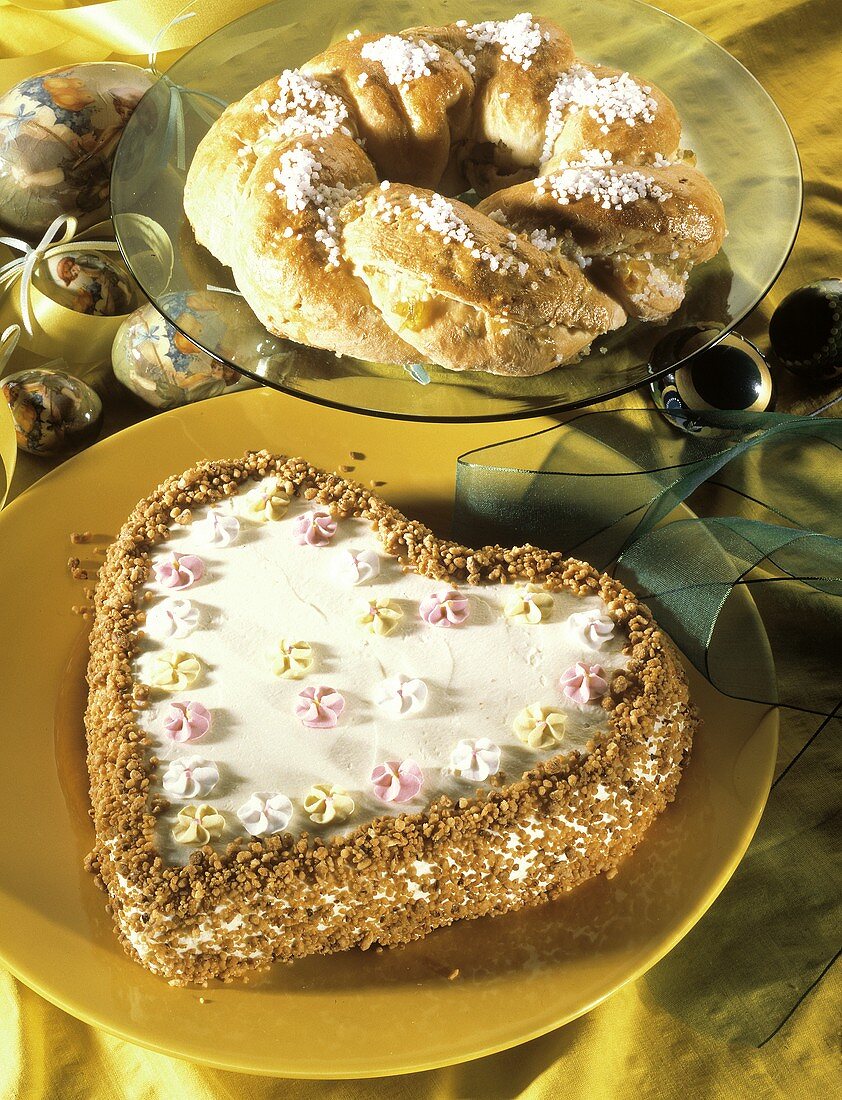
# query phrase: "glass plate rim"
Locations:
[[548, 409]]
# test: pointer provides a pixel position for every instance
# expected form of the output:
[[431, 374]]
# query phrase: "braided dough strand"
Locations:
[[325, 191]]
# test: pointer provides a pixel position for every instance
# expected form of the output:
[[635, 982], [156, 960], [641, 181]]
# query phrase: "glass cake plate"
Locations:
[[741, 140], [355, 1014]]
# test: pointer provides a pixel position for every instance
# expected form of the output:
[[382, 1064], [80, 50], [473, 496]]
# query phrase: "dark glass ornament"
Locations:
[[806, 331], [731, 376]]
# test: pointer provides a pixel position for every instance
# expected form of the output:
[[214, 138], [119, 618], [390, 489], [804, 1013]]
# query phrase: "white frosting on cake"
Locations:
[[268, 586]]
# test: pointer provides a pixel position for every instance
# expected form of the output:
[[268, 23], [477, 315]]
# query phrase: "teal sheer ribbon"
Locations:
[[607, 487]]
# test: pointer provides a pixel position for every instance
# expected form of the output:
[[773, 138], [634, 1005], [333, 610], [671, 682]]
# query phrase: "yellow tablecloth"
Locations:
[[744, 1006]]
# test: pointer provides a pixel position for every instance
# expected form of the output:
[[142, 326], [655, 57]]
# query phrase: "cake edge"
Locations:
[[177, 920]]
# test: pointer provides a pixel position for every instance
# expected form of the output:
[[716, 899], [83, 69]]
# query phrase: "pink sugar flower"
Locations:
[[187, 721], [319, 707], [179, 571], [583, 683], [397, 780], [445, 607], [314, 528]]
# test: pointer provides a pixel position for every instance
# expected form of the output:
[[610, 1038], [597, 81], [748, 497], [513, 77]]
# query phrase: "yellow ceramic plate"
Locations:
[[355, 1014]]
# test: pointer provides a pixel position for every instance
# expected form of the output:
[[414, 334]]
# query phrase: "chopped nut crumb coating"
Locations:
[[512, 844]]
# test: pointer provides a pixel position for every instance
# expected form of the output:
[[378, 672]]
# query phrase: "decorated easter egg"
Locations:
[[58, 133], [94, 283], [156, 361], [806, 331], [52, 410], [731, 376]]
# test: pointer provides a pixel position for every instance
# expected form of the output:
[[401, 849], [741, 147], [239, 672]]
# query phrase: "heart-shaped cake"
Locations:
[[313, 725]]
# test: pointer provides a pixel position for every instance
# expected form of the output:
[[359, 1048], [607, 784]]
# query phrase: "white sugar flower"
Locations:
[[594, 627], [172, 618], [218, 528], [399, 696], [193, 777], [356, 566], [475, 760], [265, 813]]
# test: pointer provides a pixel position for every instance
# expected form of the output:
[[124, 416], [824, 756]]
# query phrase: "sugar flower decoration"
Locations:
[[172, 670], [475, 760], [399, 696], [319, 707], [190, 778], [529, 604], [178, 570], [314, 528], [265, 813], [445, 608], [197, 824], [218, 528], [292, 660], [266, 501], [397, 780], [173, 617], [583, 683], [380, 616], [356, 567], [187, 722], [540, 727], [325, 802], [594, 628]]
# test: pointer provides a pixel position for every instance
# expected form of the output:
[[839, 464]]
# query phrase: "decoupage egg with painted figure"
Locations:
[[94, 283], [58, 134], [52, 410], [158, 363]]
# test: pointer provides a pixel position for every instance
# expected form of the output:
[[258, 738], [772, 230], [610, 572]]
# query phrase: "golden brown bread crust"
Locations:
[[276, 255], [443, 108], [510, 103], [478, 316], [678, 223], [407, 129], [690, 219], [225, 158], [639, 144], [219, 172]]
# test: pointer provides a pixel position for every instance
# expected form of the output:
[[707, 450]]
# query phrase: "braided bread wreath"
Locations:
[[323, 189]]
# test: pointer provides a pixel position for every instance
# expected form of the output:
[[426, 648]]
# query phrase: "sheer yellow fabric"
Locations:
[[696, 1024]]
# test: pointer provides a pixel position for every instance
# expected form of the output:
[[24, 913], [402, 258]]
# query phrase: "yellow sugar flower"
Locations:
[[325, 802], [529, 604], [269, 500], [540, 727], [197, 824], [380, 616], [292, 659], [173, 670]]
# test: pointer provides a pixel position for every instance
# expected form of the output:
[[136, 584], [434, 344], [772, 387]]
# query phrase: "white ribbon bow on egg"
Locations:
[[8, 342]]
